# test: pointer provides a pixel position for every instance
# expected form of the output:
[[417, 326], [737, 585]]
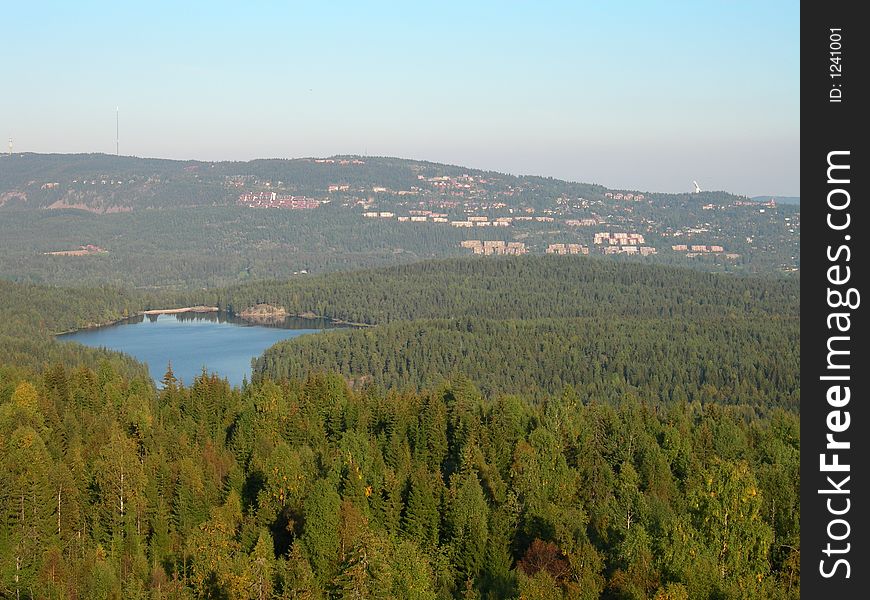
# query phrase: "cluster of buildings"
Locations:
[[93, 182], [422, 219], [483, 222], [462, 182], [618, 239], [641, 250], [623, 243], [82, 251], [454, 186], [424, 216], [769, 204], [624, 196], [339, 161], [466, 186], [696, 248], [567, 249], [494, 247], [582, 222], [273, 200], [538, 219]]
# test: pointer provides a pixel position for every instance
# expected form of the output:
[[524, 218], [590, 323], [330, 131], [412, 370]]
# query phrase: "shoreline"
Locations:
[[175, 311], [141, 313], [311, 315], [204, 310]]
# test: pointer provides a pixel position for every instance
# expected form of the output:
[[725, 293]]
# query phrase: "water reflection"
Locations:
[[219, 342]]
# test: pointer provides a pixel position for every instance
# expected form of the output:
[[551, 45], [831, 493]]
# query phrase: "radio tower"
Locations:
[[117, 130]]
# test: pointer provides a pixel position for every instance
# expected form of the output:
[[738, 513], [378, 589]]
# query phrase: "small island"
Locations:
[[264, 313]]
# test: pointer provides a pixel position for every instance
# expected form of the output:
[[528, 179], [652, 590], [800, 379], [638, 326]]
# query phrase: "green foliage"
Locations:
[[553, 428], [320, 535], [468, 527], [588, 503], [537, 325], [528, 287]]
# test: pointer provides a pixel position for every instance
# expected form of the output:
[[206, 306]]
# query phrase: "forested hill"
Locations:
[[534, 325], [30, 315], [163, 224], [107, 183], [518, 288], [752, 362]]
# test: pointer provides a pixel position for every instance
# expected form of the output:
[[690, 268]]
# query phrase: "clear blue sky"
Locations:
[[641, 95]]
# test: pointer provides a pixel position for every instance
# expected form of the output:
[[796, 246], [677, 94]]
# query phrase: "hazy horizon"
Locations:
[[636, 96]]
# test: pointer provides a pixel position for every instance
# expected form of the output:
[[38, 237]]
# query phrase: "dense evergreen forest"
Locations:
[[307, 489], [32, 314], [516, 287], [532, 427], [751, 362], [535, 324]]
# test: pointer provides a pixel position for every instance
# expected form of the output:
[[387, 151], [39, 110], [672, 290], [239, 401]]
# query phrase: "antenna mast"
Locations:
[[117, 130]]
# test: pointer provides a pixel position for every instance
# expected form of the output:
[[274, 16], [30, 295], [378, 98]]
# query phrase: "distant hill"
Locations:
[[170, 224], [781, 199], [103, 183]]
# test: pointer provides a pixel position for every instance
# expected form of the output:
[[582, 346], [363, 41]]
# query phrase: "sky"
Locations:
[[634, 95]]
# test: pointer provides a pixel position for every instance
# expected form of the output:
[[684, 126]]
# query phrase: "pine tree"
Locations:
[[320, 536], [296, 579], [120, 481], [421, 520], [260, 569], [26, 505], [469, 529]]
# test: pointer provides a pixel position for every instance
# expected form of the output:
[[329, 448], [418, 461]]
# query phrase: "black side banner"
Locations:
[[835, 421]]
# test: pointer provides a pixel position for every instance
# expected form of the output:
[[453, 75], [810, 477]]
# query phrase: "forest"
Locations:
[[181, 249], [750, 362], [308, 489], [534, 325], [516, 287], [529, 427]]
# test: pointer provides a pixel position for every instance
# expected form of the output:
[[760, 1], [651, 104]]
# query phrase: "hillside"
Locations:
[[173, 224], [534, 325], [106, 183], [32, 314], [516, 288], [749, 362]]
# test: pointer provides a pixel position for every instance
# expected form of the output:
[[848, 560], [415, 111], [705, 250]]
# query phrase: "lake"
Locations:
[[221, 343]]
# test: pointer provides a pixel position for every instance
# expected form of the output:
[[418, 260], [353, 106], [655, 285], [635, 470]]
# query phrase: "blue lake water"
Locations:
[[223, 345]]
